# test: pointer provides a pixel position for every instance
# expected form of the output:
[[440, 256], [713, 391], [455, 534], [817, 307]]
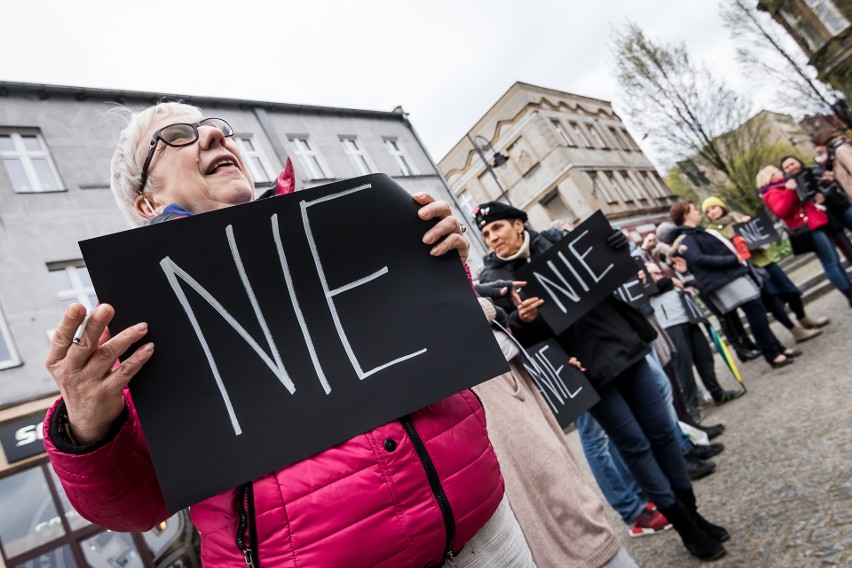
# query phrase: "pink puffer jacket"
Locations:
[[365, 502]]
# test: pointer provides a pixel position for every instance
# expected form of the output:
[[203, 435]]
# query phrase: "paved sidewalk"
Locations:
[[783, 485]]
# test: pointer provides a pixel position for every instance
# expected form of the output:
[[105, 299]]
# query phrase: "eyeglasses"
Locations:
[[180, 134]]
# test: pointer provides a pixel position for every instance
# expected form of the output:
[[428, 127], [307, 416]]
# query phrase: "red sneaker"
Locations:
[[649, 522]]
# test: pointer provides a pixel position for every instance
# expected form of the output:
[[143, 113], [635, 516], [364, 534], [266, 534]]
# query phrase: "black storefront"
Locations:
[[40, 529]]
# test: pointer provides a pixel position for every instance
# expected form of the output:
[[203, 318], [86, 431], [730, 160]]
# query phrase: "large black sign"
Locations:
[[22, 438], [576, 273], [637, 290], [287, 325], [757, 231]]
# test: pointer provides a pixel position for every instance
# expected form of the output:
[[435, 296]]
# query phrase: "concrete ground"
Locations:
[[783, 485]]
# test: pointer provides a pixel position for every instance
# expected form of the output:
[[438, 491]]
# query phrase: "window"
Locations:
[[8, 354], [631, 185], [254, 158], [399, 156], [556, 208], [579, 135], [829, 15], [616, 185], [73, 285], [618, 139], [467, 204], [28, 162], [630, 141], [350, 146], [309, 158], [557, 126], [599, 188], [39, 527], [596, 138]]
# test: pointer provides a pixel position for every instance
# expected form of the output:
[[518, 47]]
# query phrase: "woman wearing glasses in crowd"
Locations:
[[172, 163]]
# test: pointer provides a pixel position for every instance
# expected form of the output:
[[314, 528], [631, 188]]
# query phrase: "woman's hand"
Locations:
[[791, 184], [448, 234], [90, 386], [527, 309]]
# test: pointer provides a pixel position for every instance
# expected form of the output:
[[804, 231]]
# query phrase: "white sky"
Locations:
[[446, 62]]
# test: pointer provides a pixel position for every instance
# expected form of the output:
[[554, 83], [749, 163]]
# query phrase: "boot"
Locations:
[[745, 354], [697, 542], [848, 293], [801, 334], [687, 497], [811, 323]]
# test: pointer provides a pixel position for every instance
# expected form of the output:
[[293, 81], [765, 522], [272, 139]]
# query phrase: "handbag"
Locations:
[[800, 238], [758, 274]]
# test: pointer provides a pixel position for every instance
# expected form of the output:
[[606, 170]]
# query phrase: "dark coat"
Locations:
[[608, 339], [709, 260]]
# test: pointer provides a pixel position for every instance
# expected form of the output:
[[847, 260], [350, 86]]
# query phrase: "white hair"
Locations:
[[127, 160]]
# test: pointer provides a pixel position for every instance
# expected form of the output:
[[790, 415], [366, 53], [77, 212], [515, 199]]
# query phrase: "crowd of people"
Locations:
[[501, 492]]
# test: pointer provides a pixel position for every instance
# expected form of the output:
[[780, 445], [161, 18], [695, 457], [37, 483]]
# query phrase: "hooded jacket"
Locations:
[[785, 203]]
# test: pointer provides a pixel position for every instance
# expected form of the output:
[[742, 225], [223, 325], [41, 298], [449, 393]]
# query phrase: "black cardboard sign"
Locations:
[[636, 292], [567, 390], [576, 273], [757, 231], [287, 325]]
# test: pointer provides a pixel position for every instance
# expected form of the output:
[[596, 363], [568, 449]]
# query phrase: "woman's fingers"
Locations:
[[79, 352], [63, 335], [121, 375]]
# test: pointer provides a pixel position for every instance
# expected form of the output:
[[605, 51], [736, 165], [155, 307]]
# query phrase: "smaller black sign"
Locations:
[[757, 231], [576, 273], [22, 438], [637, 290]]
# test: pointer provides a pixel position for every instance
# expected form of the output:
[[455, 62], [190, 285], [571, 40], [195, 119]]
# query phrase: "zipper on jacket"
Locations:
[[246, 530], [482, 404], [435, 485]]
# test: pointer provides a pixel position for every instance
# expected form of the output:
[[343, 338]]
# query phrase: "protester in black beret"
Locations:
[[611, 341]]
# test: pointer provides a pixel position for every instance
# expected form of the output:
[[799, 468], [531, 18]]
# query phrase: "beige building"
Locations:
[[568, 156]]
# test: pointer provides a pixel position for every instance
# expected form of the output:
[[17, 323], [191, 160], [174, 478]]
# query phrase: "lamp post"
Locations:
[[499, 160]]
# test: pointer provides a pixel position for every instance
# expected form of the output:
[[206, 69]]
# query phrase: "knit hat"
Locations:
[[712, 201], [663, 229], [494, 211]]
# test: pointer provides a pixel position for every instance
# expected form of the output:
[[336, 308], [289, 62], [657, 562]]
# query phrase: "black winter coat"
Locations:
[[607, 340], [709, 260]]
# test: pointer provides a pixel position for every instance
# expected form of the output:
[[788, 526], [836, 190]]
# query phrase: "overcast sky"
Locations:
[[446, 62]]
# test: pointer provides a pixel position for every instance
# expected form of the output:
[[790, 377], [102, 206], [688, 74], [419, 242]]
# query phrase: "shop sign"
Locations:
[[22, 438]]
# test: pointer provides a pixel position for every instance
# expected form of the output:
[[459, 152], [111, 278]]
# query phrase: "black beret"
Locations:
[[494, 211]]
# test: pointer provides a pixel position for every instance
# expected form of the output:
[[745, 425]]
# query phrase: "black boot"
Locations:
[[697, 542], [848, 293], [687, 497]]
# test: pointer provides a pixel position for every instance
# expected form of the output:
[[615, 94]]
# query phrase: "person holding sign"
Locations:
[[722, 278], [776, 290], [611, 341], [806, 217], [418, 491]]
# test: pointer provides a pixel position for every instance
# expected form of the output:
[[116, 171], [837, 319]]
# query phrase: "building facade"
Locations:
[[55, 147], [568, 156], [823, 29]]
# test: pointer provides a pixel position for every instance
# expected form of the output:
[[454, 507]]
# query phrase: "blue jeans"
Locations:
[[617, 484], [634, 415], [824, 249], [662, 381]]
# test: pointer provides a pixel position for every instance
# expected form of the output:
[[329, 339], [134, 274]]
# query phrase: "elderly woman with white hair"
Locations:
[[419, 491]]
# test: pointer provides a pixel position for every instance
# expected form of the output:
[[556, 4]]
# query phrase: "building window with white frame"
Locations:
[[630, 141], [599, 187], [73, 285], [556, 208], [618, 139], [27, 162], [632, 187], [580, 135], [302, 149], [467, 204], [401, 161], [8, 354], [829, 15], [596, 137], [350, 146], [563, 136], [616, 185], [253, 156]]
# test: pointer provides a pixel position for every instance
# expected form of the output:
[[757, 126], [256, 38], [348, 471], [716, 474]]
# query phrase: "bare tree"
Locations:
[[685, 109], [769, 54]]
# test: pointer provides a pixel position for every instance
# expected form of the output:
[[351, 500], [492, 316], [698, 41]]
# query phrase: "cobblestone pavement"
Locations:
[[783, 485]]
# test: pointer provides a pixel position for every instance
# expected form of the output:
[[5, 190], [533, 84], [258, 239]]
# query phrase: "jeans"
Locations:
[[768, 344], [692, 348], [634, 415], [617, 484], [662, 381], [824, 249]]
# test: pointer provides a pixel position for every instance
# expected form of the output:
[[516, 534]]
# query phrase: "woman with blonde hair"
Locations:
[[802, 219]]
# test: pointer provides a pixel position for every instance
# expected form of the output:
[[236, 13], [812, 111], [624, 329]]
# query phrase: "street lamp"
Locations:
[[499, 160]]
